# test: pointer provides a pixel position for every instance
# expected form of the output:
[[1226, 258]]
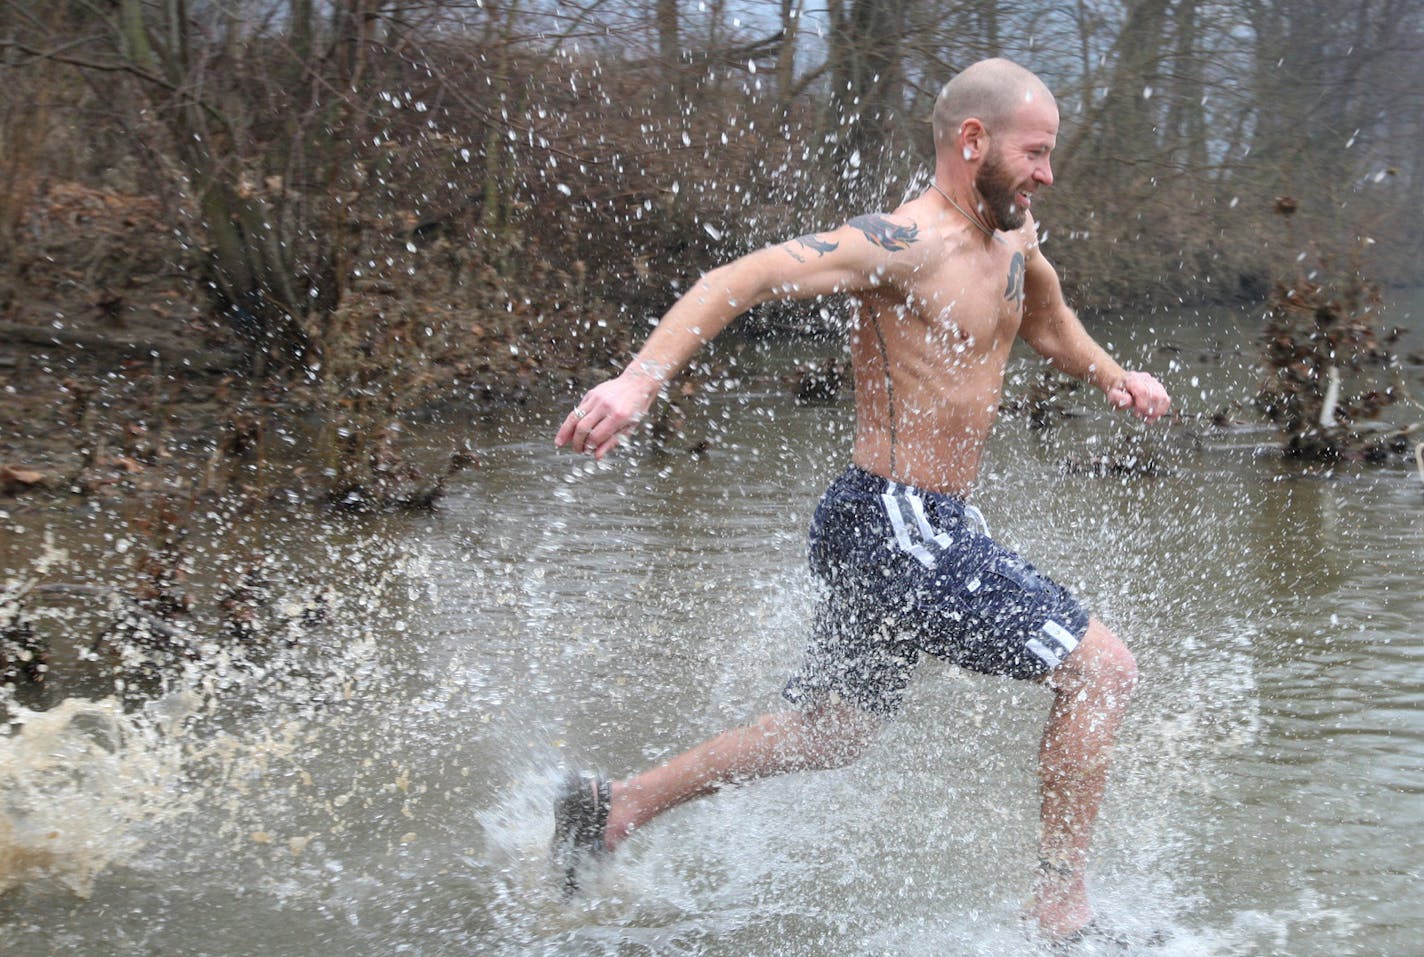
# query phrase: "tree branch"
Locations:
[[115, 66]]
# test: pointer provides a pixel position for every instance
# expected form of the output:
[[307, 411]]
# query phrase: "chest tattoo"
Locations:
[[1014, 291]]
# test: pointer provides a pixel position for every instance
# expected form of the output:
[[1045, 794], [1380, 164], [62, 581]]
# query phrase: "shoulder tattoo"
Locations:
[[885, 234], [809, 241]]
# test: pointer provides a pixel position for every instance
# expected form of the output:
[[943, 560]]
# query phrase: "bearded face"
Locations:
[[1000, 193]]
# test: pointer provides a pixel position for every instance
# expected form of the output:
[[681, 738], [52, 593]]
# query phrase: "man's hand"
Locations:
[[1141, 393], [607, 413]]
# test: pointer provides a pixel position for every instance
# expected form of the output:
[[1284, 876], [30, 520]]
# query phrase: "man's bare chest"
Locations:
[[975, 302]]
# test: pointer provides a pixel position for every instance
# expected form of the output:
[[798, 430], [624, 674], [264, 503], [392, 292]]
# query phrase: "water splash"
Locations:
[[80, 784]]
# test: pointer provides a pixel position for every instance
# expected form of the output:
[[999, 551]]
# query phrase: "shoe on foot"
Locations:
[[580, 818]]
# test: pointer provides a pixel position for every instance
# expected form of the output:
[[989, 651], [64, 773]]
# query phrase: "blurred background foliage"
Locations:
[[544, 175]]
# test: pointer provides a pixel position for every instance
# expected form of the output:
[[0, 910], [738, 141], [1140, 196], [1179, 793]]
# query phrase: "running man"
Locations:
[[942, 286]]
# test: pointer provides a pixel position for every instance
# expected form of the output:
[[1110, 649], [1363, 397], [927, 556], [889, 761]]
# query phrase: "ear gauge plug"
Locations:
[[967, 154]]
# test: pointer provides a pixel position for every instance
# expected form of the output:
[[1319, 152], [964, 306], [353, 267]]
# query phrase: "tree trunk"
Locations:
[[669, 45], [496, 165], [1186, 120], [1123, 123], [669, 49], [989, 25], [786, 52], [24, 124], [301, 28], [866, 82], [134, 36]]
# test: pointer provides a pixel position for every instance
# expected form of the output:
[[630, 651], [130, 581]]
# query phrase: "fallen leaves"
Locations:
[[16, 478]]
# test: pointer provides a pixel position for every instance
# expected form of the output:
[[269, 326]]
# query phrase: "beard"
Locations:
[[1000, 194]]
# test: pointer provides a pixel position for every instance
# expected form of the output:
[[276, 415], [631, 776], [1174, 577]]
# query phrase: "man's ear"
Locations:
[[973, 140]]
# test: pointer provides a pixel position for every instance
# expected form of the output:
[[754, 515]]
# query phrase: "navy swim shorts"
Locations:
[[907, 572]]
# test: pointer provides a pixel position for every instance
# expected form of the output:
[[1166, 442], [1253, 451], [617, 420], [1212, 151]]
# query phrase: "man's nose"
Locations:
[[1044, 173]]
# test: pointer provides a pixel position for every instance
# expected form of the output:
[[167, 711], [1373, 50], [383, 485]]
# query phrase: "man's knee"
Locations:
[[1100, 662]]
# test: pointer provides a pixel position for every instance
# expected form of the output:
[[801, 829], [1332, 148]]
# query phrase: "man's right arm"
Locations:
[[848, 259]]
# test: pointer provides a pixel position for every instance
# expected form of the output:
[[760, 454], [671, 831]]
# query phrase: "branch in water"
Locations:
[[1332, 398], [154, 624]]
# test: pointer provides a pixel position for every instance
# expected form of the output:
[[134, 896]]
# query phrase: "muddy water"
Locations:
[[378, 782]]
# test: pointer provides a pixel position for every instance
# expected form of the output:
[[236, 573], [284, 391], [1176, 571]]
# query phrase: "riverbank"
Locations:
[[120, 379], [397, 759]]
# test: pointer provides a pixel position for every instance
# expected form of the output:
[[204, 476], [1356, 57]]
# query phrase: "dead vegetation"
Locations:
[[413, 206], [1331, 371]]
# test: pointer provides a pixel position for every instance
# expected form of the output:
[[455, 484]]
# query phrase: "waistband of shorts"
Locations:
[[858, 479]]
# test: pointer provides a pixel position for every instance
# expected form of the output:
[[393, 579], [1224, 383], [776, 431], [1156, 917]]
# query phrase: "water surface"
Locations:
[[380, 783]]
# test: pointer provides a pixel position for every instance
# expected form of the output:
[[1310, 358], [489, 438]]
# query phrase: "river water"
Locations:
[[379, 783]]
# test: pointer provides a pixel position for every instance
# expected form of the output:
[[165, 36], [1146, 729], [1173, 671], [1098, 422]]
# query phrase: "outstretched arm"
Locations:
[[1055, 332], [861, 253]]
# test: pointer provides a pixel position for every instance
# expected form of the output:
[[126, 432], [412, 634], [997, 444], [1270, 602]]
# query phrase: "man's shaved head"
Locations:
[[991, 91]]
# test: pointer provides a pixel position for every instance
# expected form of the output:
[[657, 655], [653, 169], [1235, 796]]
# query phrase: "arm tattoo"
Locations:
[[885, 234], [809, 241]]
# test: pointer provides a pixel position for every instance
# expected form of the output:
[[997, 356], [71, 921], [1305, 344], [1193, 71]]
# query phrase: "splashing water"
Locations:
[[385, 785], [79, 785]]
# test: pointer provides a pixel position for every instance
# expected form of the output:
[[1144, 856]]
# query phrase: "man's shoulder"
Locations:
[[1026, 237], [893, 232]]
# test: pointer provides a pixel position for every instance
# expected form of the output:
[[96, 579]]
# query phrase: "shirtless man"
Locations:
[[943, 285]]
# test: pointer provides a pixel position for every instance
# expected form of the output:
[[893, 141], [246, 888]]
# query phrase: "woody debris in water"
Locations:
[[1330, 372]]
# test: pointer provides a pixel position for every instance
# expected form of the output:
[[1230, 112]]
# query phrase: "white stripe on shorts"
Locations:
[[902, 533], [917, 506], [1062, 635], [1043, 653], [1059, 637], [973, 512]]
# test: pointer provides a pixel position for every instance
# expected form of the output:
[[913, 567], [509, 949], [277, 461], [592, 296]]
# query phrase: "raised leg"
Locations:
[[822, 737], [1091, 689]]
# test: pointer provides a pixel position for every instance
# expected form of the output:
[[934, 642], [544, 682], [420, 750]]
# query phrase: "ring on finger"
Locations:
[[579, 413]]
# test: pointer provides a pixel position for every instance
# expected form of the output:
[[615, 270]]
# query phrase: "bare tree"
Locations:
[[295, 134], [867, 80], [264, 113]]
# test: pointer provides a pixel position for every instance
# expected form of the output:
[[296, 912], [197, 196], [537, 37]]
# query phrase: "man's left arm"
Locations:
[[1055, 332]]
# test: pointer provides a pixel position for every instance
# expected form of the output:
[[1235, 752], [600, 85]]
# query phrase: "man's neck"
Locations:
[[964, 210]]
